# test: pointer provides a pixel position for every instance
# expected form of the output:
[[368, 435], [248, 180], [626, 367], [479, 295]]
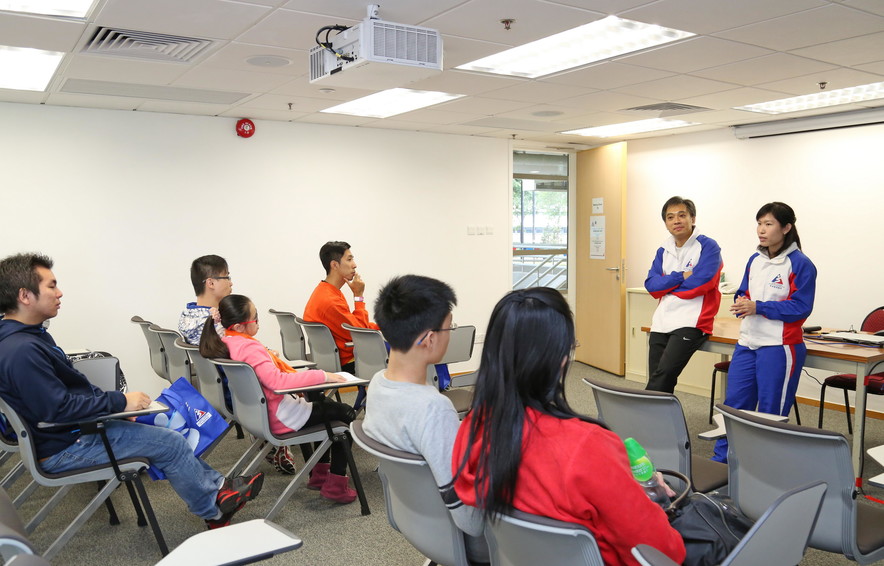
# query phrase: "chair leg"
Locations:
[[847, 413], [112, 518], [354, 472], [797, 414], [148, 510], [822, 404], [712, 396]]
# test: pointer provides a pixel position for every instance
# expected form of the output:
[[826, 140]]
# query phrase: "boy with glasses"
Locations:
[[402, 410], [212, 282]]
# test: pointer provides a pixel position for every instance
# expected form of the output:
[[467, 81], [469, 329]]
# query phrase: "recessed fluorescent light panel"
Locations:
[[627, 128], [391, 102], [27, 69], [820, 99], [67, 8], [596, 41]]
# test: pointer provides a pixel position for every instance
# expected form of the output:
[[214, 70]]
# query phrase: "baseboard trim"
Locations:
[[870, 414]]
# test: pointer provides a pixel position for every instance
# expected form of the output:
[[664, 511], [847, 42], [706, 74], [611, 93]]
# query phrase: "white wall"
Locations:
[[832, 179], [124, 201]]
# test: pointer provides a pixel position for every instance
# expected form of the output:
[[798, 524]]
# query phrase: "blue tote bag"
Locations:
[[190, 414]]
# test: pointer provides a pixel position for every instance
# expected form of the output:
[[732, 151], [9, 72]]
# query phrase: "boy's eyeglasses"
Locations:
[[228, 277], [449, 329]]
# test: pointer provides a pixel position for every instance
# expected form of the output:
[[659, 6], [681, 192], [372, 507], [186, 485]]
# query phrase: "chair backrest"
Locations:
[[766, 459], [414, 505], [522, 539], [208, 377], [369, 350], [779, 537], [101, 372], [323, 350], [154, 346], [177, 362], [249, 403], [656, 420], [874, 321], [460, 346], [13, 536], [294, 344]]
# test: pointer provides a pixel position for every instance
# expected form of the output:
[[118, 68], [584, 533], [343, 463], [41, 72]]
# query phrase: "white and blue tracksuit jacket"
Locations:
[[691, 303]]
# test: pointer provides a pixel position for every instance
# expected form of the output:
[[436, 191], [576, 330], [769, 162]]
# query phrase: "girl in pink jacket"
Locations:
[[286, 413]]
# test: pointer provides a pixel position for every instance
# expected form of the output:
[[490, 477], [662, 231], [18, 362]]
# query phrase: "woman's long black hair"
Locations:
[[528, 348], [233, 310]]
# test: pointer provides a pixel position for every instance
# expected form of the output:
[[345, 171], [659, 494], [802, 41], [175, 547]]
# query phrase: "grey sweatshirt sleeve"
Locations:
[[436, 444]]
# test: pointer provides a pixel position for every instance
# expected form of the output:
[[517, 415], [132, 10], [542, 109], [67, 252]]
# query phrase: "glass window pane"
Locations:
[[540, 220]]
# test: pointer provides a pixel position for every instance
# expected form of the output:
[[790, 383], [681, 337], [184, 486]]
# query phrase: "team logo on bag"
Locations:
[[202, 416], [777, 282]]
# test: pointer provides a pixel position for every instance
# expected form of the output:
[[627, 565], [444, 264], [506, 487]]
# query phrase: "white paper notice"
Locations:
[[598, 205], [596, 237]]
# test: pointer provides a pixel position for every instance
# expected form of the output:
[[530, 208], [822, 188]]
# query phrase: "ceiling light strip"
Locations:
[[595, 41]]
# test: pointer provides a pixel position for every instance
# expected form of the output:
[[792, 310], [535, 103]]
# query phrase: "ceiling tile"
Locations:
[[90, 101], [821, 25], [485, 106], [540, 92], [694, 54], [234, 56], [835, 79], [401, 11], [533, 20], [465, 82], [734, 97], [675, 87], [225, 79], [849, 52], [289, 29], [97, 67], [764, 69], [51, 34], [213, 19], [604, 76], [873, 6], [710, 16]]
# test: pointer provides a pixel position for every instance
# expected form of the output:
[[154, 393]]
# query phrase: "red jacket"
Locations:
[[578, 472], [328, 306]]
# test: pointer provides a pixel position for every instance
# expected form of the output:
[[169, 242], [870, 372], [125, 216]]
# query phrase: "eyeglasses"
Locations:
[[228, 277], [449, 329]]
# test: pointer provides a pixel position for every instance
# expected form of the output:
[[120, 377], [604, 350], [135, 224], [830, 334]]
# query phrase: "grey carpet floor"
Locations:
[[333, 534]]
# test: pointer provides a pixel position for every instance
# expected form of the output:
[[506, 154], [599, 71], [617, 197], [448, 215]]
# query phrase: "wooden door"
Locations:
[[601, 284]]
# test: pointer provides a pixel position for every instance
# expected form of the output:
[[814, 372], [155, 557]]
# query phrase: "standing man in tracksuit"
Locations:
[[684, 277]]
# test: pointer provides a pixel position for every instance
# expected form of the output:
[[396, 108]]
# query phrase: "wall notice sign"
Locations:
[[598, 205], [596, 237]]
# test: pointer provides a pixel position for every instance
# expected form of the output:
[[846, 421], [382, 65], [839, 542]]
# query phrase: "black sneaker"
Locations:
[[237, 491]]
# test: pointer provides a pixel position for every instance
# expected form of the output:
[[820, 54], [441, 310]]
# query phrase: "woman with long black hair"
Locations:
[[523, 447]]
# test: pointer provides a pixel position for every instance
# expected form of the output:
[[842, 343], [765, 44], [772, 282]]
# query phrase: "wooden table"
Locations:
[[838, 357]]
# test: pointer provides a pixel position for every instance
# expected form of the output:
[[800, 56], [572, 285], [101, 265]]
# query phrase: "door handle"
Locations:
[[612, 269]]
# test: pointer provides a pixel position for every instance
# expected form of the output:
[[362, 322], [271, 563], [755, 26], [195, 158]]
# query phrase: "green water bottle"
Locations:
[[644, 472]]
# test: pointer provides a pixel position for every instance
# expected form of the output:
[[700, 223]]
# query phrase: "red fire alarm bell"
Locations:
[[245, 128]]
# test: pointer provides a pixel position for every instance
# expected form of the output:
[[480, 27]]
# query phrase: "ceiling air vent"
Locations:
[[664, 109], [145, 45]]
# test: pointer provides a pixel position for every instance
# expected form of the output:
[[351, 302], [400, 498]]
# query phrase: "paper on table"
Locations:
[[348, 376]]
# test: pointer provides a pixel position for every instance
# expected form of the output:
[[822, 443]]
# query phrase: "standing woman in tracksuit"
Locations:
[[774, 299]]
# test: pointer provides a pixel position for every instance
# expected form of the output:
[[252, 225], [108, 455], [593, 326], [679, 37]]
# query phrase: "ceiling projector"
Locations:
[[375, 54]]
